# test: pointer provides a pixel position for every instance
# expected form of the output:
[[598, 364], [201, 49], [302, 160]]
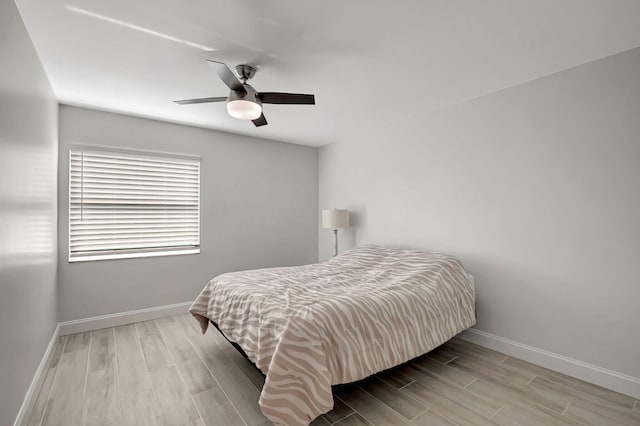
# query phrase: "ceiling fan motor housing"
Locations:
[[251, 95]]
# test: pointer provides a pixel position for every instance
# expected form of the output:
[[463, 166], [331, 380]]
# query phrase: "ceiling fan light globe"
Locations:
[[244, 110]]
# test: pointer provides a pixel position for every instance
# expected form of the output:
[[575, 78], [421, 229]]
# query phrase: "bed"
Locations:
[[313, 326]]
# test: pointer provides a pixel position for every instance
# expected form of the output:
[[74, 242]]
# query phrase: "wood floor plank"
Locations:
[[318, 421], [522, 368], [570, 382], [496, 365], [37, 411], [394, 378], [208, 348], [581, 399], [216, 409], [173, 397], [193, 371], [141, 409], [354, 419], [483, 369], [402, 404], [57, 352], [147, 328], [510, 416], [155, 352], [459, 345], [546, 393], [340, 411], [429, 418], [482, 373], [515, 400], [102, 351], [535, 370], [368, 407], [196, 422], [445, 372], [64, 406], [35, 418], [444, 406], [101, 403], [442, 355], [484, 406], [240, 390], [132, 376], [190, 366], [516, 395], [592, 416], [169, 325], [77, 342], [189, 324]]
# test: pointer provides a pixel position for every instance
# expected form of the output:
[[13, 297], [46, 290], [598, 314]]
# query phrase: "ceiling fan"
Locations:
[[243, 101]]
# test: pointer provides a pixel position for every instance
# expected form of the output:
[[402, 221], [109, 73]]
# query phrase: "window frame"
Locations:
[[135, 252]]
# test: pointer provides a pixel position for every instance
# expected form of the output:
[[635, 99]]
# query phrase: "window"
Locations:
[[132, 205]]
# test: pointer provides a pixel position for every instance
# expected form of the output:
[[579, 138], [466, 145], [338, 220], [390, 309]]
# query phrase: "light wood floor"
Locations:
[[164, 372]]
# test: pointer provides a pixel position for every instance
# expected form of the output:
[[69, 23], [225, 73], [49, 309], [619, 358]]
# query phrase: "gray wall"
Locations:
[[259, 204], [28, 164], [536, 188]]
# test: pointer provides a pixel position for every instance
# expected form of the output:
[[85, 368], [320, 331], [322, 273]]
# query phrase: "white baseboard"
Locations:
[[122, 318], [36, 382], [604, 377]]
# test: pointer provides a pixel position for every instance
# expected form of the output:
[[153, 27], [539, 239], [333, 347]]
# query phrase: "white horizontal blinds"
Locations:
[[131, 203]]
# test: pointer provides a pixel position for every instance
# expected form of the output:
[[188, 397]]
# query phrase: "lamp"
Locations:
[[335, 219], [245, 106]]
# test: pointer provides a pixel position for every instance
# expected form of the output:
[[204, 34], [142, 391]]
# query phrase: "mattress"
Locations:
[[310, 327]]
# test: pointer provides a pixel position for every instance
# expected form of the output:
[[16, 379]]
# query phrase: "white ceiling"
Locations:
[[368, 62]]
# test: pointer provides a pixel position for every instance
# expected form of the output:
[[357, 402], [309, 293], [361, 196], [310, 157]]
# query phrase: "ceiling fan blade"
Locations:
[[286, 98], [260, 121], [227, 76], [201, 100]]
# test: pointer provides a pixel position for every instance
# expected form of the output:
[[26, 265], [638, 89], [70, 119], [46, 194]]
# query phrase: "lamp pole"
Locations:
[[335, 242]]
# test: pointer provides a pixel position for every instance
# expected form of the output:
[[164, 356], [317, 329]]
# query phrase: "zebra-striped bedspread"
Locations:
[[310, 327]]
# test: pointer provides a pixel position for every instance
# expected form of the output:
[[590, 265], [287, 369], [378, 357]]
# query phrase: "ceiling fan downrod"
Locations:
[[245, 72]]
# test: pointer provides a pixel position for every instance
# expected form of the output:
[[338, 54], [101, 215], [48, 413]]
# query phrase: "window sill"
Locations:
[[113, 256]]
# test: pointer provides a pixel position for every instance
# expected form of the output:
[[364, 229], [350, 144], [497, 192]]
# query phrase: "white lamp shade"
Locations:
[[244, 110], [335, 218]]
